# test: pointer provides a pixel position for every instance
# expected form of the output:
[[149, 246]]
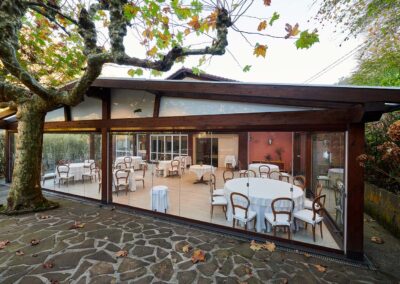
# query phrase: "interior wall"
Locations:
[[259, 147], [228, 144]]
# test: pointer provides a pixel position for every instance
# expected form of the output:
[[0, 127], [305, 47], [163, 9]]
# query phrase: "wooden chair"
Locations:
[[63, 162], [122, 180], [280, 218], [250, 173], [120, 166], [45, 176], [128, 162], [183, 164], [228, 175], [213, 187], [92, 173], [141, 177], [275, 175], [217, 200], [63, 174], [314, 216], [308, 203], [300, 181], [284, 177], [264, 171], [175, 166], [242, 212]]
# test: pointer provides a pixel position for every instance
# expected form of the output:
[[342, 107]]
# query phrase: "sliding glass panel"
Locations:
[[71, 163]]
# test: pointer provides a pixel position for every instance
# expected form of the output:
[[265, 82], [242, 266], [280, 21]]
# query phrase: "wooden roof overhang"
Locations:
[[330, 107]]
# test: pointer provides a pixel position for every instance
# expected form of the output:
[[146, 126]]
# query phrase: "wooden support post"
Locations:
[[355, 193], [92, 149], [243, 150], [157, 102], [308, 169], [104, 166]]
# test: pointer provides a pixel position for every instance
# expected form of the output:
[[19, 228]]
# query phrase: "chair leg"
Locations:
[[320, 226], [313, 232]]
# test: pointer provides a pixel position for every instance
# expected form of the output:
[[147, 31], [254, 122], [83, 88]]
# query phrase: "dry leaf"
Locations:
[[77, 225], [270, 246], [194, 23], [4, 243], [121, 253], [255, 246], [34, 242], [320, 268], [260, 50], [49, 264], [267, 2], [44, 217], [186, 248], [198, 255], [377, 240], [262, 26], [19, 252]]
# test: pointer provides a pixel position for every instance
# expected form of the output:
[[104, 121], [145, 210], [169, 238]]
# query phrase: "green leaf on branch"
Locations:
[[135, 72], [197, 71], [307, 39], [275, 17], [130, 11], [246, 68]]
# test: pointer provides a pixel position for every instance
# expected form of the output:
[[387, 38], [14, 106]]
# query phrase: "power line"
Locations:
[[334, 64]]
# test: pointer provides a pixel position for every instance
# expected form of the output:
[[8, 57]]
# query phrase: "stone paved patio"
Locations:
[[155, 255]]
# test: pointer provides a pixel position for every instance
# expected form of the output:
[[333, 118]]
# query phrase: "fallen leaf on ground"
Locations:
[[377, 240], [198, 255], [255, 246], [320, 268], [4, 243], [49, 264], [121, 253], [19, 252], [34, 242], [44, 217], [186, 248], [307, 255], [270, 246], [77, 225]]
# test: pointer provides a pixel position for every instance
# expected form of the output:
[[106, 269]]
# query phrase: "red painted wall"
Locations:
[[259, 147]]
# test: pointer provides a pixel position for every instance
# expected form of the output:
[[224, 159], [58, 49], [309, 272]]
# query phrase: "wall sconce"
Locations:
[[269, 141]]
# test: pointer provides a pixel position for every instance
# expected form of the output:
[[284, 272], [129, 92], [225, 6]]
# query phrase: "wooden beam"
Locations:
[[243, 156], [308, 158], [157, 102], [6, 113], [301, 92], [355, 193], [67, 113]]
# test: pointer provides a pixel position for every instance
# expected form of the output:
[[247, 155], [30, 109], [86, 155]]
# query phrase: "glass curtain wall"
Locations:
[[71, 163]]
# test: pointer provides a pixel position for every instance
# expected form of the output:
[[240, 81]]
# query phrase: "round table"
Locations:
[[261, 193], [165, 166], [77, 170], [159, 198], [200, 170], [256, 167]]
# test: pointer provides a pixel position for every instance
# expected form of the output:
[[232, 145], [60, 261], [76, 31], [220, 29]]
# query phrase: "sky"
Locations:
[[284, 63]]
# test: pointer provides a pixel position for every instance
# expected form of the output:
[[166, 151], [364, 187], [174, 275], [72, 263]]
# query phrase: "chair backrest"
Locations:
[[63, 170], [289, 210], [228, 175], [250, 173], [183, 162], [275, 175], [175, 165], [128, 162], [121, 175], [318, 189], [120, 166], [318, 205], [213, 182], [88, 161], [63, 162], [144, 167], [237, 201], [300, 181], [264, 171]]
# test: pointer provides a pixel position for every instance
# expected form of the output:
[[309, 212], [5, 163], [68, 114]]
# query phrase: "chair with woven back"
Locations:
[[228, 175], [240, 209], [122, 180], [314, 216], [175, 168], [282, 216], [264, 171]]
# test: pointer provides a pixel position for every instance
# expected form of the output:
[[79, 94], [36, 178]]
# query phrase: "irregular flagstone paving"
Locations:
[[155, 253]]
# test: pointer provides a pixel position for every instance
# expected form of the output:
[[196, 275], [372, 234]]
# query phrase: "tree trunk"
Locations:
[[26, 193]]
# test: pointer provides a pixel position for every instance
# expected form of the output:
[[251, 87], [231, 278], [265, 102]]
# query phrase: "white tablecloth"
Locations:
[[231, 160], [131, 180], [77, 169], [261, 193], [136, 160], [255, 167], [159, 198], [188, 159], [166, 166], [200, 170]]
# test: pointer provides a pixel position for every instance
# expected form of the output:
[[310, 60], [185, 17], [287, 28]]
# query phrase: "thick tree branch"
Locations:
[[12, 93]]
